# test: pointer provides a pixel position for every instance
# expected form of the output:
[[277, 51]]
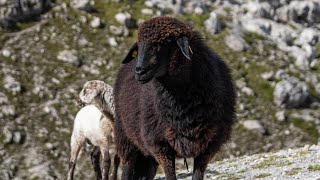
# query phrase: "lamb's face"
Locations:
[[91, 90], [153, 58]]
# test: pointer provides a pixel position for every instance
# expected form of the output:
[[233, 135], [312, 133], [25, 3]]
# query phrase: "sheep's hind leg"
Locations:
[[106, 161], [145, 167], [116, 162], [95, 159], [76, 145]]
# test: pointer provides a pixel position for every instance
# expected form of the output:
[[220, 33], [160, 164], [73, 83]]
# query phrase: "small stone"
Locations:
[[69, 56], [112, 41], [198, 10], [281, 115], [267, 76], [49, 146], [254, 125], [82, 42], [96, 22], [287, 132], [8, 135], [119, 31], [6, 53], [240, 83], [11, 84], [306, 147], [18, 137], [122, 17], [147, 11], [248, 91], [82, 5], [281, 74]]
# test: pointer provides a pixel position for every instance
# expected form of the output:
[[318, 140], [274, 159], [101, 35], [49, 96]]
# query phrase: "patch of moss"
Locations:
[[242, 171], [263, 175], [314, 168], [271, 162], [230, 177], [307, 127], [313, 91], [293, 171]]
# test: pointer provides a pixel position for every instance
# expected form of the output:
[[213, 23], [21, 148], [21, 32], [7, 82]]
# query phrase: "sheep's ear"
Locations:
[[184, 47], [133, 53]]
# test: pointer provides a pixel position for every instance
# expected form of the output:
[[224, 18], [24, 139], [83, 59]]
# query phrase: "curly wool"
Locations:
[[159, 29]]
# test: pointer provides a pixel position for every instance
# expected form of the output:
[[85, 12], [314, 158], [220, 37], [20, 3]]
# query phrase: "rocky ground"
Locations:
[[302, 163], [49, 49]]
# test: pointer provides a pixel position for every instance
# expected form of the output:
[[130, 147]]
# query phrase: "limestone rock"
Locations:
[[291, 93], [213, 25]]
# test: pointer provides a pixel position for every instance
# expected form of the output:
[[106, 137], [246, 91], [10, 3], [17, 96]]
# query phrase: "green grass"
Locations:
[[307, 127], [263, 175], [293, 171], [314, 168], [271, 162]]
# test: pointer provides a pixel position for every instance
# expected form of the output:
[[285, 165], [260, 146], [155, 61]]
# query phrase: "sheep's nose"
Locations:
[[141, 70]]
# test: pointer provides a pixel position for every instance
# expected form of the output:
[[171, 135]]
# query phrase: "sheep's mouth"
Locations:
[[146, 77]]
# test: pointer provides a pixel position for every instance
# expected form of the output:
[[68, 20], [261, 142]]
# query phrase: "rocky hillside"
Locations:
[[302, 163], [50, 48]]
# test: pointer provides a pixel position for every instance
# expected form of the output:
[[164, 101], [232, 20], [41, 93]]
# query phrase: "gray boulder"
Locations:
[[254, 125], [213, 25], [308, 36], [263, 9], [291, 93], [84, 5], [304, 12], [236, 43], [12, 11]]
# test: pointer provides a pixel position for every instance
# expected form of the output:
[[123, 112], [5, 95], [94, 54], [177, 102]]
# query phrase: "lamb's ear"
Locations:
[[133, 52], [184, 47]]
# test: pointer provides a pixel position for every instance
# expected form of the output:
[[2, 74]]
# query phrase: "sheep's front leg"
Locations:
[[128, 169], [200, 165], [106, 161], [166, 159], [95, 159]]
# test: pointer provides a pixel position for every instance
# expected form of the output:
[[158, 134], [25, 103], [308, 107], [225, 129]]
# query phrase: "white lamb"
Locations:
[[94, 124]]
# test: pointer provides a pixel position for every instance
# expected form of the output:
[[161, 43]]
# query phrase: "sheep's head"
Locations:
[[91, 90], [159, 39]]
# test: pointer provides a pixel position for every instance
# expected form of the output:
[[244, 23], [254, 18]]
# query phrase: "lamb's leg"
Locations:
[[116, 162], [106, 161], [76, 144], [95, 159]]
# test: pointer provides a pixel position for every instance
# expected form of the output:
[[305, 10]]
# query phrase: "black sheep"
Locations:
[[173, 98]]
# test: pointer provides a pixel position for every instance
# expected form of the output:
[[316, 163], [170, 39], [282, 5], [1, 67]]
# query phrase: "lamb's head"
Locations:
[[161, 40], [92, 91]]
